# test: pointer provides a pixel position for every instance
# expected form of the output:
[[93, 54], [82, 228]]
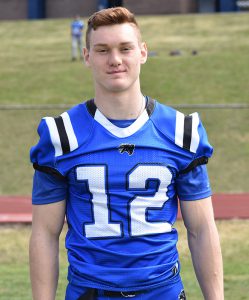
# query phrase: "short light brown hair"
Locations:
[[109, 16]]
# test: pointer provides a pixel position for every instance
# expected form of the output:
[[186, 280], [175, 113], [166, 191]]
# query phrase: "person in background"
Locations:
[[116, 166], [77, 27]]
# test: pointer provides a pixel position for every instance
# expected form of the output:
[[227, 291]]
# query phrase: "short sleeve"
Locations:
[[48, 188], [43, 154], [195, 140], [193, 185]]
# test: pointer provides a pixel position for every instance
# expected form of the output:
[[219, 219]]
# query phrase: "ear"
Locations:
[[144, 53], [86, 56]]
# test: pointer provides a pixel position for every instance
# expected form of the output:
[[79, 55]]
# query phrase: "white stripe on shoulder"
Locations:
[[179, 129], [54, 135], [195, 139], [70, 131]]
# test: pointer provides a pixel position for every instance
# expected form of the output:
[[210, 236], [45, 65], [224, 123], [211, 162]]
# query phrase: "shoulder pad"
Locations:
[[60, 136], [185, 131], [43, 153]]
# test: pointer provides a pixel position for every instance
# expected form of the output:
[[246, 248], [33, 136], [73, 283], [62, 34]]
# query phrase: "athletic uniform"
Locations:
[[121, 183], [76, 32]]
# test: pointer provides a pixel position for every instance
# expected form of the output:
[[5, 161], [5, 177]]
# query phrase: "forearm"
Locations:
[[207, 260], [44, 266]]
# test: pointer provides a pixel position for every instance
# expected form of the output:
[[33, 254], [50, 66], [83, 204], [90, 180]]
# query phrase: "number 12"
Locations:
[[96, 176]]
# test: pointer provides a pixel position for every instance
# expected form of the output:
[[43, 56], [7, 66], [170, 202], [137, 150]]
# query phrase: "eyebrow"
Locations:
[[106, 45]]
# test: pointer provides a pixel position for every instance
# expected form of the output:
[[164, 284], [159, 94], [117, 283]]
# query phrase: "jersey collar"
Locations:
[[118, 131]]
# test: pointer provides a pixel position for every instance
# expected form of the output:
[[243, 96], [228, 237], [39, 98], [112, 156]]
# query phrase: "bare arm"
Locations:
[[47, 224], [204, 246]]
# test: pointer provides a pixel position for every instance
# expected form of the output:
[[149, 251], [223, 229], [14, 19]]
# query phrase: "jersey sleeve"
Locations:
[[53, 144], [192, 182], [49, 184], [191, 135], [193, 185], [60, 138], [43, 154], [48, 188], [187, 134]]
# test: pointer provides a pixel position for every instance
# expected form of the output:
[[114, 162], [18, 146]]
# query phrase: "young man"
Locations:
[[116, 165]]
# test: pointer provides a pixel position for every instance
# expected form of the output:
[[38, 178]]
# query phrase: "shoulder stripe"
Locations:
[[54, 135], [179, 129], [195, 135], [73, 143], [63, 135], [186, 131]]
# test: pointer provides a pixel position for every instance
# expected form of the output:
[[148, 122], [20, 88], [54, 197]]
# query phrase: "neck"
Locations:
[[121, 106]]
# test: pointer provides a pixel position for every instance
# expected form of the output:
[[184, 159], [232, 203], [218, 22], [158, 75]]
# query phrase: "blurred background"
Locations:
[[35, 9], [198, 61]]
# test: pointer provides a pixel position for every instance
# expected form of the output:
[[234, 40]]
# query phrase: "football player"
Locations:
[[76, 35], [116, 166]]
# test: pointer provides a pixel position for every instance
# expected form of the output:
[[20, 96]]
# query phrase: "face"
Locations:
[[115, 57]]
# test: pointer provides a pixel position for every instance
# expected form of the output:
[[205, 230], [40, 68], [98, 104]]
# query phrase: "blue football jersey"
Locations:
[[122, 186]]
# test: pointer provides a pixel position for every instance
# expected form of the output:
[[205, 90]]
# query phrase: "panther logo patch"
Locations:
[[129, 148], [182, 296]]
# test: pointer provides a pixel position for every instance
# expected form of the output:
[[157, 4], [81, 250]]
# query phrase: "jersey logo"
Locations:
[[129, 148]]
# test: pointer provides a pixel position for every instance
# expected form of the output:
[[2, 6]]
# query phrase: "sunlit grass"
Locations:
[[36, 69]]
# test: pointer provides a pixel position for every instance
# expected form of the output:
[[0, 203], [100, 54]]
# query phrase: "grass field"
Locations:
[[14, 274], [36, 69]]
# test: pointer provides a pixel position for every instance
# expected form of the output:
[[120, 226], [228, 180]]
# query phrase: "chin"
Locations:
[[118, 87]]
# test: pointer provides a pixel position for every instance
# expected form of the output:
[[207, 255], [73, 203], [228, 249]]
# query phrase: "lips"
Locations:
[[116, 72]]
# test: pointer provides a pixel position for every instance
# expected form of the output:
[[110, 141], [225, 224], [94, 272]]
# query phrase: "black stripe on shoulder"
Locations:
[[63, 135], [187, 132], [150, 106], [197, 162], [91, 107], [48, 170]]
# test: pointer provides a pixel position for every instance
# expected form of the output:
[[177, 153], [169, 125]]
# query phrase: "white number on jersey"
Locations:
[[102, 227]]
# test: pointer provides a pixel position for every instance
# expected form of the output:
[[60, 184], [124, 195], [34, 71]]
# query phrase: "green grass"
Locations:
[[36, 69], [14, 271]]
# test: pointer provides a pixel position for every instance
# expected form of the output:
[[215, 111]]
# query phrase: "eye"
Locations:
[[101, 50], [125, 49]]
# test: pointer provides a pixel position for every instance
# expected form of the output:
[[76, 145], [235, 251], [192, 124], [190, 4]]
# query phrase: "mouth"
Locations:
[[115, 72]]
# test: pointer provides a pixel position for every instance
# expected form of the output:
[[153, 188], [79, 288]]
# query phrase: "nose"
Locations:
[[115, 58]]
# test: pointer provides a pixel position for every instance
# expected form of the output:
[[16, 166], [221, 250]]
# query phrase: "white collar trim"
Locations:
[[118, 131]]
